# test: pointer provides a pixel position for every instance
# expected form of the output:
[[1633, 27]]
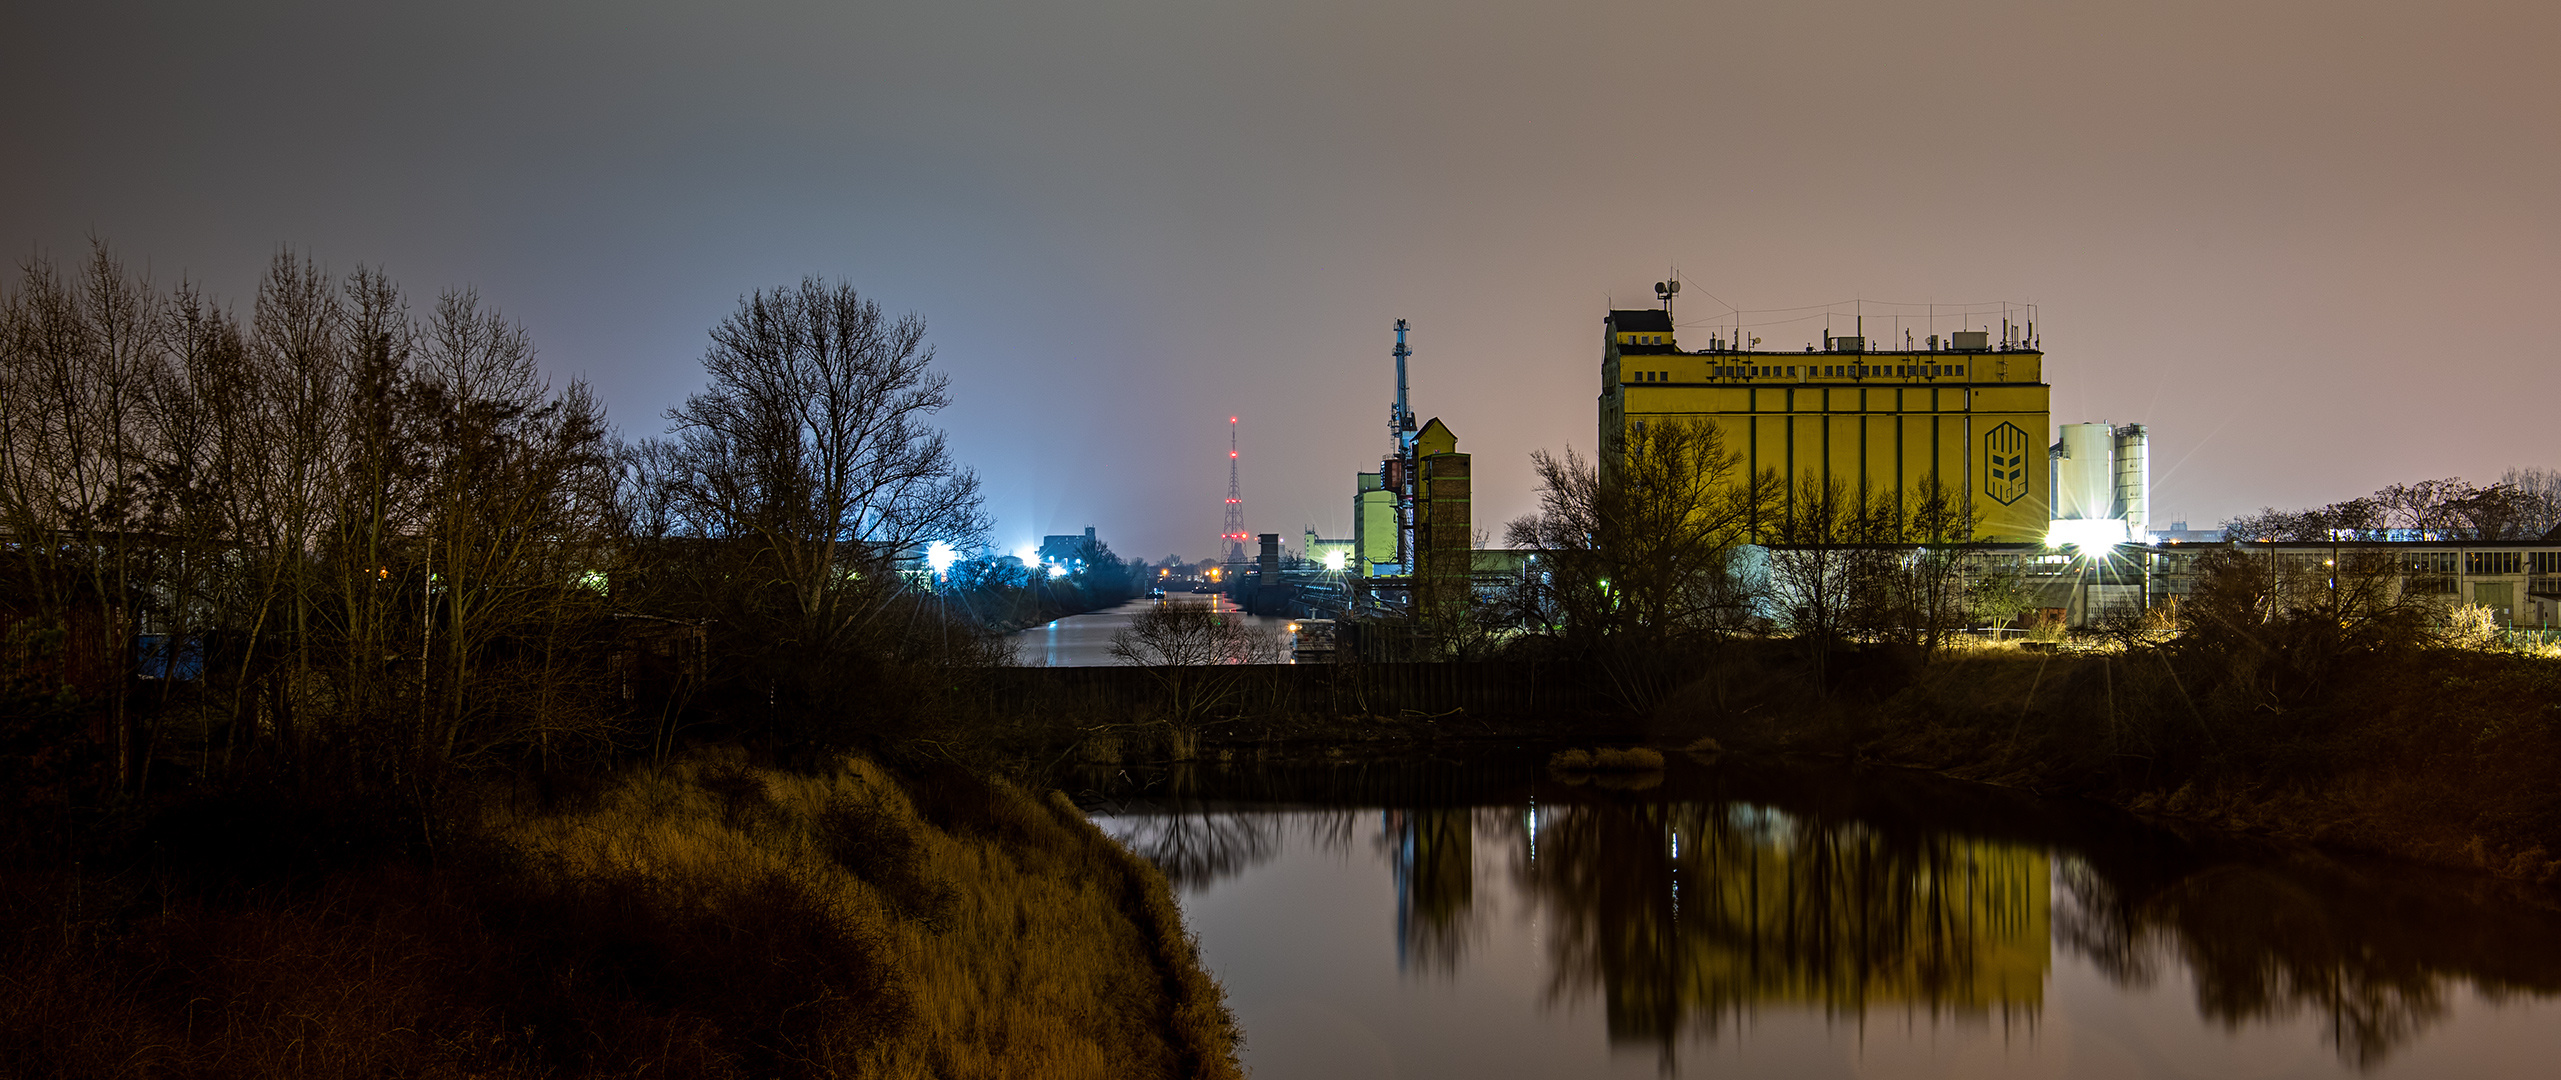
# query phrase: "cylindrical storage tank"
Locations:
[[2085, 484], [2134, 480]]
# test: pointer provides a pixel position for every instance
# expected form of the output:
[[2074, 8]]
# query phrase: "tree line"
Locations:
[[2524, 504], [1674, 547], [353, 538]]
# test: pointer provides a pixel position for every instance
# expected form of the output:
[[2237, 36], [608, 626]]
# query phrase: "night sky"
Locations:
[[2314, 245]]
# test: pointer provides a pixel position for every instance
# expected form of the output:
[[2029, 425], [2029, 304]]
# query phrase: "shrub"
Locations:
[[1632, 759]]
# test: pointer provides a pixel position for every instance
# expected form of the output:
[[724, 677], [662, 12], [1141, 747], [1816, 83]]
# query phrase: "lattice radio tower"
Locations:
[[1235, 534]]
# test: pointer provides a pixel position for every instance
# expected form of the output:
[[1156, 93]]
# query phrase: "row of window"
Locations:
[[2483, 562], [1788, 371]]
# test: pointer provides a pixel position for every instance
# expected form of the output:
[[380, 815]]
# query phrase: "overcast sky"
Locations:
[[2316, 246]]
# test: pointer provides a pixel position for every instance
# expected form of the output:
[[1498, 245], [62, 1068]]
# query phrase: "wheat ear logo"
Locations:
[[2005, 463]]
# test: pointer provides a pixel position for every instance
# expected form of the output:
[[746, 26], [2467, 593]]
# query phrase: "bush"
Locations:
[[1632, 759]]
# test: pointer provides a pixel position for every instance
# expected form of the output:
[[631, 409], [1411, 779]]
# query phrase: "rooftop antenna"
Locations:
[[1665, 291], [1235, 531]]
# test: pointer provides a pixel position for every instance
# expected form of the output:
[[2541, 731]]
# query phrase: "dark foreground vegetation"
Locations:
[[367, 707], [2252, 707], [701, 919]]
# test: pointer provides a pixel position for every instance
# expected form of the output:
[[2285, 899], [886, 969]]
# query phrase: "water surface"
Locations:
[[1483, 919], [1086, 640]]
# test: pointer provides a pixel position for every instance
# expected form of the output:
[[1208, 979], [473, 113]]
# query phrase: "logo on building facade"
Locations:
[[2005, 451]]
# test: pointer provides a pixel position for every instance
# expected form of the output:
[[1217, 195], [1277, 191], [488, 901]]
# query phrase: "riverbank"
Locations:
[[2442, 755], [708, 918]]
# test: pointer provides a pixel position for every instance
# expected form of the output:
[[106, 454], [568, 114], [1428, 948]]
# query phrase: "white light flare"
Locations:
[[2092, 537], [940, 557]]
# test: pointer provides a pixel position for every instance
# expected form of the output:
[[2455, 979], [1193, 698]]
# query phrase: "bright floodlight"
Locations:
[[1028, 553], [940, 556], [1337, 560], [2092, 537], [1056, 570]]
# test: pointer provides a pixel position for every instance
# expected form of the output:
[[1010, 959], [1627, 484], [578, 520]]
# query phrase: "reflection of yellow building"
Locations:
[[1953, 924], [1972, 411], [1683, 915]]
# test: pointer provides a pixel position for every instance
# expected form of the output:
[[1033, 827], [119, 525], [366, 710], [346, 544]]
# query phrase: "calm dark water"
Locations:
[[1482, 919], [1086, 640]]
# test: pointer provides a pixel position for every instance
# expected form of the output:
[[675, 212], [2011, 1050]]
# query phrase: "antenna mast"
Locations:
[[1235, 533], [1400, 425]]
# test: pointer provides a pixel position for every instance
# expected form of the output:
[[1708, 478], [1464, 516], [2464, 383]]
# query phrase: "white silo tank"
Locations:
[[2084, 481], [2134, 479]]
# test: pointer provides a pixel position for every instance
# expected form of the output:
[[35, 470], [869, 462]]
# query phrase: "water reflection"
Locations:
[[1682, 917], [1685, 910], [1195, 846], [1433, 855]]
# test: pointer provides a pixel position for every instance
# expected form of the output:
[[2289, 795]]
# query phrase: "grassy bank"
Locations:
[[708, 919], [2443, 754]]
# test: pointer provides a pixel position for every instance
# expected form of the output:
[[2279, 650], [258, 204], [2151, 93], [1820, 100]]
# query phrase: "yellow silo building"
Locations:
[[1971, 410]]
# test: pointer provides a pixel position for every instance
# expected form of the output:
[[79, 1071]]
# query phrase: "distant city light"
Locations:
[[1057, 571], [940, 556]]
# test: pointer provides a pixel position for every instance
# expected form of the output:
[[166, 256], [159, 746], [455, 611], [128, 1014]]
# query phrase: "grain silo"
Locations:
[[2084, 475], [2134, 480]]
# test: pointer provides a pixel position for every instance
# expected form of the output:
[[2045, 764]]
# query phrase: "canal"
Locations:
[[1481, 917], [1086, 640]]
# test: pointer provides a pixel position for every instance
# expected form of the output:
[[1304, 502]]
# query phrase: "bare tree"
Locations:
[[806, 470], [1195, 652], [1920, 572], [515, 504], [1643, 550], [1815, 562], [2539, 490]]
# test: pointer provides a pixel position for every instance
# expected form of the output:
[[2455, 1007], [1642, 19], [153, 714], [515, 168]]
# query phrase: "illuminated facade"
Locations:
[[1972, 411], [1374, 528], [1443, 523]]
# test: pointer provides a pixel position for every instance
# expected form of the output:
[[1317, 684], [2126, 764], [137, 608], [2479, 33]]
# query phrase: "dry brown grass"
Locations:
[[706, 919], [1023, 948]]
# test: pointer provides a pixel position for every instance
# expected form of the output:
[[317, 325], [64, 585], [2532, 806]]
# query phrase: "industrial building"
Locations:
[[1332, 556], [1067, 550], [2102, 481], [1374, 533], [2519, 581], [1967, 409], [1444, 526]]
